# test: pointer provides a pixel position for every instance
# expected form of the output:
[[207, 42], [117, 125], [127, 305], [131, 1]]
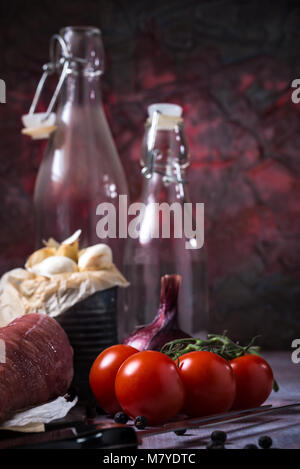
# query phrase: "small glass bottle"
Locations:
[[80, 168], [164, 159]]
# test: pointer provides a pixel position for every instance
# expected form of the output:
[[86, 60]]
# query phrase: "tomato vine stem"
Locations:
[[220, 344]]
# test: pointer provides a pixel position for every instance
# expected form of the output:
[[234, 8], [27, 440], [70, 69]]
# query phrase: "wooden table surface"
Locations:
[[282, 426]]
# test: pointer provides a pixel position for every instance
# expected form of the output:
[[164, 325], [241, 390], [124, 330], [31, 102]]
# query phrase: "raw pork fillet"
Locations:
[[38, 366]]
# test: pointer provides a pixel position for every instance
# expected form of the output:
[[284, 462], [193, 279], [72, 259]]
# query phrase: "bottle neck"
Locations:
[[165, 149], [81, 91], [160, 188]]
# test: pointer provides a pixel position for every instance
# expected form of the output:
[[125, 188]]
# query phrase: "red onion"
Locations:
[[164, 327]]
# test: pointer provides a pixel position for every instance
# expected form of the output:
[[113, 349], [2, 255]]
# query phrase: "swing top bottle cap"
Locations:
[[167, 109], [168, 117]]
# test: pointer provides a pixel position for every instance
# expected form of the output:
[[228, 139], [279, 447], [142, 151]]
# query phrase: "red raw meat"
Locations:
[[39, 363]]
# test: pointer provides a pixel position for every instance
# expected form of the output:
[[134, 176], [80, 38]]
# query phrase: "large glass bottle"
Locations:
[[80, 167], [164, 160]]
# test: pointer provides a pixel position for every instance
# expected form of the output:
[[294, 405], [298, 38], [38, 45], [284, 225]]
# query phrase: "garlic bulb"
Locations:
[[95, 257], [54, 265], [57, 258], [38, 256]]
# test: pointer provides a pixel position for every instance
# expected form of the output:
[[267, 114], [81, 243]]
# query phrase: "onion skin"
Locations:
[[164, 327]]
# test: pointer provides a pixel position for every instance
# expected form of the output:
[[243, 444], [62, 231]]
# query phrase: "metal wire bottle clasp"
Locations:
[[51, 67]]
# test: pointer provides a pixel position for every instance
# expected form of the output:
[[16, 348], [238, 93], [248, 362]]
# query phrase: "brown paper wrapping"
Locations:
[[23, 292]]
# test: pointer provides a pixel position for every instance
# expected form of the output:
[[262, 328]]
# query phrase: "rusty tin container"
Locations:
[[91, 326]]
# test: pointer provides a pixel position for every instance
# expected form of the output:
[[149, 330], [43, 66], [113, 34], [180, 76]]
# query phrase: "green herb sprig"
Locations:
[[219, 344]]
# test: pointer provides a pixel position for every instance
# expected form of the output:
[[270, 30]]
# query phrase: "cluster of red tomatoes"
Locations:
[[199, 383]]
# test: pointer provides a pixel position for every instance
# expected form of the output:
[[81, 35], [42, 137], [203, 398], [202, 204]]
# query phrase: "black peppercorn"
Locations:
[[121, 417], [250, 446], [140, 422], [180, 432], [218, 436], [265, 442]]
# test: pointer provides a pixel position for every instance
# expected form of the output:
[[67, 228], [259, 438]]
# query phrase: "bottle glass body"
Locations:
[[80, 168], [148, 258]]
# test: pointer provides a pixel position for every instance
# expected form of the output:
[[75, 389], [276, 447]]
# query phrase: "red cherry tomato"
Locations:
[[254, 381], [209, 383], [148, 384], [103, 374]]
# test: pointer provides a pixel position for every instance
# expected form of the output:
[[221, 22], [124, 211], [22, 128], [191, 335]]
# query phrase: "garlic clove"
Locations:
[[54, 265], [51, 243], [97, 257], [68, 250], [69, 247], [71, 240], [38, 256]]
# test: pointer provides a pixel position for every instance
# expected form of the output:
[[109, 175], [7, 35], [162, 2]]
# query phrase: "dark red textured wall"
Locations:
[[230, 65]]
